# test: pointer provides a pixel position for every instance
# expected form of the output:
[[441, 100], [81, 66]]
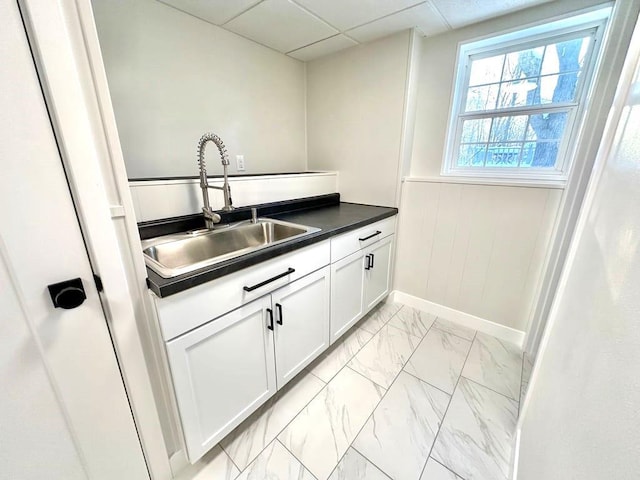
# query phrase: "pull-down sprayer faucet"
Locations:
[[210, 217]]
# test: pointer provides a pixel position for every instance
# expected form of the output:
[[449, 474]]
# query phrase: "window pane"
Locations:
[[503, 155], [486, 70], [482, 98], [546, 126], [540, 155], [565, 56], [558, 88], [475, 130], [472, 155], [524, 63], [518, 93], [510, 128]]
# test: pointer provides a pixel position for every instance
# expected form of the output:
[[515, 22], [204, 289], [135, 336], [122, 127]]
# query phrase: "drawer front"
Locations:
[[351, 242], [189, 309]]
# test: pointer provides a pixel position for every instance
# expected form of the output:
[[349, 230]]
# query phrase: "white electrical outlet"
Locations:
[[240, 162]]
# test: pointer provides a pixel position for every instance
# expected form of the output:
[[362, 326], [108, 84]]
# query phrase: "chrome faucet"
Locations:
[[210, 217]]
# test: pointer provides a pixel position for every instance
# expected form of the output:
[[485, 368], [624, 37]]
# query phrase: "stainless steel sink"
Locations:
[[176, 254]]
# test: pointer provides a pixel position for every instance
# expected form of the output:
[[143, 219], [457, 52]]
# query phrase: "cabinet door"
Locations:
[[221, 373], [378, 276], [302, 323], [347, 287]]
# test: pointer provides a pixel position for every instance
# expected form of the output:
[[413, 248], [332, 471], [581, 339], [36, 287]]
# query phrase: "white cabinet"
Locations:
[[377, 272], [221, 373], [361, 279], [301, 310], [224, 370], [347, 293]]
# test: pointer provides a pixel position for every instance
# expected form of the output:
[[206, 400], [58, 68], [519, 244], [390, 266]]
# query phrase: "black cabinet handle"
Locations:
[[368, 264], [372, 258], [279, 319], [378, 232], [68, 294], [270, 312], [272, 279]]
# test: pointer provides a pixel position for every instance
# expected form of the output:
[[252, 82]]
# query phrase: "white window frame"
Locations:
[[590, 23]]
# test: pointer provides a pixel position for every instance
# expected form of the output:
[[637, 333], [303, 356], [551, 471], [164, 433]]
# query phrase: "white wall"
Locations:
[[476, 248], [174, 77], [172, 198], [355, 105], [581, 417]]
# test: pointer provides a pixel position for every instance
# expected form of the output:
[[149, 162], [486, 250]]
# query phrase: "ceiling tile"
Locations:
[[281, 25], [345, 14], [423, 16], [323, 47], [213, 11], [459, 13]]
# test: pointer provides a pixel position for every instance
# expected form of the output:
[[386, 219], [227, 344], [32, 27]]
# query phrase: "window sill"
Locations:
[[502, 182]]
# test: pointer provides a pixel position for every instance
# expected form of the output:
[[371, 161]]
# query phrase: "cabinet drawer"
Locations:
[[189, 309], [351, 242]]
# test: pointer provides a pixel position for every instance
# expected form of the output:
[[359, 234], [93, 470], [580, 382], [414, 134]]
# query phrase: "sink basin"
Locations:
[[176, 254]]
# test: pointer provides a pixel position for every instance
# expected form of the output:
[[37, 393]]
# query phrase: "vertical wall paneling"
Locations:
[[477, 249]]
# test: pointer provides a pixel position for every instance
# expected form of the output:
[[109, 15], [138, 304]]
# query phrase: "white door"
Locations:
[[302, 323], [64, 409], [378, 272], [222, 371], [347, 291]]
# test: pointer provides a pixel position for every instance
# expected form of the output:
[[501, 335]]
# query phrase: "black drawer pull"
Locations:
[[279, 319], [378, 232], [368, 265], [372, 257], [272, 279], [270, 312]]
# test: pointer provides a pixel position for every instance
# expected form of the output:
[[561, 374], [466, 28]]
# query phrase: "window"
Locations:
[[518, 98]]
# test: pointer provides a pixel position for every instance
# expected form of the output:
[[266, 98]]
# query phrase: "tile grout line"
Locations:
[[489, 388], [424, 381], [294, 456], [447, 468], [367, 458], [231, 459], [444, 416]]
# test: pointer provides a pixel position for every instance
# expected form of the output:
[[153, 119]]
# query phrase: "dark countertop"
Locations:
[[332, 219]]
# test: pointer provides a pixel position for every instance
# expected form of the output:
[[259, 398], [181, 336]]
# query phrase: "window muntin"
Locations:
[[517, 101]]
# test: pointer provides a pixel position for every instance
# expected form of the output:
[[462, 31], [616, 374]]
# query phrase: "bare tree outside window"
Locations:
[[518, 104]]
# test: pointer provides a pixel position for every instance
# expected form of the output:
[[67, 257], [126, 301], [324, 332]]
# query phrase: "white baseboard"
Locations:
[[465, 319]]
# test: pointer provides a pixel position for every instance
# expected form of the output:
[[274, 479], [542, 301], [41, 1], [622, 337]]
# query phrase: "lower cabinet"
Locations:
[[358, 282], [225, 369]]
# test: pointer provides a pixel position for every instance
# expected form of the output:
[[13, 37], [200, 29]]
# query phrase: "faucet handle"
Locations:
[[254, 215]]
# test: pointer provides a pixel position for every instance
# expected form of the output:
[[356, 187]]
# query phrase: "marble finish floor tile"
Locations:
[[496, 364], [276, 463], [379, 316], [435, 471], [330, 362], [439, 359], [354, 466], [214, 465], [454, 329], [412, 320], [321, 434], [399, 435], [247, 441], [384, 356], [476, 436]]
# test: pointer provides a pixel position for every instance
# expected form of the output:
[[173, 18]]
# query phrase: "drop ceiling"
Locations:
[[309, 29]]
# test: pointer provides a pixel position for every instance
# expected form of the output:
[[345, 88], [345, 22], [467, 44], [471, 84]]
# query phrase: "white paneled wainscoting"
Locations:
[[474, 252]]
